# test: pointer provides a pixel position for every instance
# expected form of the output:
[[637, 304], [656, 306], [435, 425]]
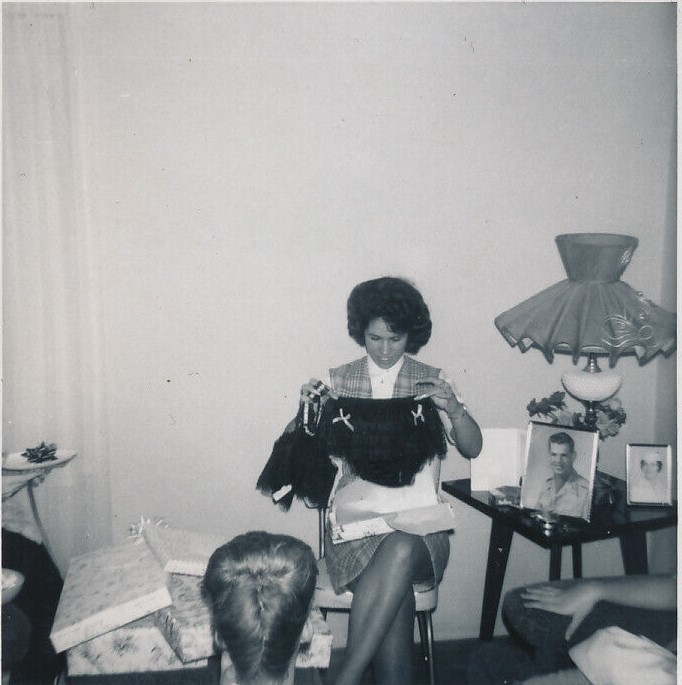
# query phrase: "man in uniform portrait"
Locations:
[[565, 491]]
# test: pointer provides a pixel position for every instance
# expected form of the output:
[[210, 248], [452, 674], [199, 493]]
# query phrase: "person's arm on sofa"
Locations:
[[645, 592]]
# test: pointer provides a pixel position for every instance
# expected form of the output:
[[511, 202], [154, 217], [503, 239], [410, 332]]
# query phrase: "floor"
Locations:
[[451, 659]]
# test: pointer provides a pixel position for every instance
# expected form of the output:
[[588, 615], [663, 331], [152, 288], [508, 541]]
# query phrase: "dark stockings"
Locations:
[[382, 614]]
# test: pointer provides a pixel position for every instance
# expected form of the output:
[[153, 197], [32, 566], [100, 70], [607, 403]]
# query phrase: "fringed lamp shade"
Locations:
[[592, 311]]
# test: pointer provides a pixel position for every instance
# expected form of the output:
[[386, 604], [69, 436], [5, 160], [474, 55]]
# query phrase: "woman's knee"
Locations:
[[406, 548], [538, 628]]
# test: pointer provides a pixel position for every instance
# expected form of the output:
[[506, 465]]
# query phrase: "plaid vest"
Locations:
[[352, 379]]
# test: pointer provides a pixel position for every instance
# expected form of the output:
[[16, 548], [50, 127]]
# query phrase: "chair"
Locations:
[[327, 600]]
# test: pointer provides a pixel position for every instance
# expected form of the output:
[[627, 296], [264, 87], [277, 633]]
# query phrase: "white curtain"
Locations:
[[53, 384]]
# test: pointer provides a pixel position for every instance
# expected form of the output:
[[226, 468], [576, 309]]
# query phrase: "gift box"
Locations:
[[317, 652], [107, 589], [186, 623], [137, 647], [181, 551], [314, 654]]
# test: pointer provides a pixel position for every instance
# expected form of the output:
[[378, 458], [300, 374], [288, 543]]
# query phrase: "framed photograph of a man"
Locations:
[[559, 471], [649, 474]]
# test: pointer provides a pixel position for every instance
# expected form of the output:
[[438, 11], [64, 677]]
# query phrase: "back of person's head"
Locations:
[[260, 587]]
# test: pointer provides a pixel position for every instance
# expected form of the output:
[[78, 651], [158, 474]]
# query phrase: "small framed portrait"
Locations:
[[559, 471], [649, 474]]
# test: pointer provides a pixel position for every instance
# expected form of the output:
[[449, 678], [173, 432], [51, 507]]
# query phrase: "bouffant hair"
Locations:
[[394, 300], [260, 587], [658, 462]]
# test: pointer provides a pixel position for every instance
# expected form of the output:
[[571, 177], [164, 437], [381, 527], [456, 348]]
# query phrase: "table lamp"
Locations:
[[592, 313]]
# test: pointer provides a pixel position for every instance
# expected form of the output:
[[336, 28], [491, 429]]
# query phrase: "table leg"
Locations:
[[498, 553], [634, 553], [36, 517], [555, 562], [577, 560]]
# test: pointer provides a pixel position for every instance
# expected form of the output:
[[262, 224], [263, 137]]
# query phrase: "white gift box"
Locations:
[[137, 647], [181, 551], [107, 589]]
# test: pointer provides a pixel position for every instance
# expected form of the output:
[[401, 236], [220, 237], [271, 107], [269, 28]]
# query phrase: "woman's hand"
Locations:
[[442, 394], [464, 431], [576, 601], [313, 390]]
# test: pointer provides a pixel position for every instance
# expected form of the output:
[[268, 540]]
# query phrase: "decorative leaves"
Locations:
[[552, 409]]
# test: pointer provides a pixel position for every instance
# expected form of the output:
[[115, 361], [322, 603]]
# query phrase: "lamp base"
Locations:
[[591, 385], [590, 419]]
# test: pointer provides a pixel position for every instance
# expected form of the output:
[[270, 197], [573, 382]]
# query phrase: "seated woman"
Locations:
[[260, 588], [388, 318]]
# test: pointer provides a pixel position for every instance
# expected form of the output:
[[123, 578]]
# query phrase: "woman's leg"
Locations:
[[393, 661], [383, 602]]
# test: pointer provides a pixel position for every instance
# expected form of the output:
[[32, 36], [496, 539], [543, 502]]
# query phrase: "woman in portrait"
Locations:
[[649, 481]]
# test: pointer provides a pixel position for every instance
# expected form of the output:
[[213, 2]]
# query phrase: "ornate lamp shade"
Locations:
[[592, 311]]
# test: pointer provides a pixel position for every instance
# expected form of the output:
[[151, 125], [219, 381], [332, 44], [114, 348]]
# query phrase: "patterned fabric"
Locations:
[[347, 560], [186, 624], [318, 651], [106, 589], [352, 379], [135, 648]]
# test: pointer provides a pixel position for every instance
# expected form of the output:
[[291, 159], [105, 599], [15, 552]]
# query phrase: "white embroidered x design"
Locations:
[[343, 418]]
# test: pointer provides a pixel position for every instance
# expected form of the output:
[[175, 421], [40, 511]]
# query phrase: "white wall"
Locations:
[[247, 164]]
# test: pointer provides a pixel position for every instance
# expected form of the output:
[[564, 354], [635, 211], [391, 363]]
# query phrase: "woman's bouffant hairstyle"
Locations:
[[659, 464], [260, 587], [395, 301]]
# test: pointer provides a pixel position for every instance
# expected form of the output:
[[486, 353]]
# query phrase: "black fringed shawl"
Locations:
[[383, 441]]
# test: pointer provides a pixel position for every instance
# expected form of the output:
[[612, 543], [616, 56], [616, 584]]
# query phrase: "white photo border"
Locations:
[[633, 455]]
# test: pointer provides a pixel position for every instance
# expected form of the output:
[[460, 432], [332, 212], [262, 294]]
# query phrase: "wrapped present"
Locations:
[[180, 551], [317, 652], [186, 623], [107, 589], [313, 654], [137, 647]]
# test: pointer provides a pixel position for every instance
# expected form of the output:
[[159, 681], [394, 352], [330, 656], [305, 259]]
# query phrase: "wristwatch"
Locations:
[[460, 413]]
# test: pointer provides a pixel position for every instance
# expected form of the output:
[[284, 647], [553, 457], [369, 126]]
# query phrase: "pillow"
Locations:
[[613, 656]]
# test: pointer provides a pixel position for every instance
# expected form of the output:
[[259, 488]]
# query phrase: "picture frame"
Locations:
[[649, 474], [559, 472]]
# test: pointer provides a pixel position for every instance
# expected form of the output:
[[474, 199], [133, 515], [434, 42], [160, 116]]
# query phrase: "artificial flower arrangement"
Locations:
[[552, 409]]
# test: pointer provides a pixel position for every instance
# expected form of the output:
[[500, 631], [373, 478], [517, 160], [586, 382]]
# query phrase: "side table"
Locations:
[[613, 519]]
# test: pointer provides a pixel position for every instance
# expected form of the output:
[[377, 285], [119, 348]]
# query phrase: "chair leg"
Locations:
[[421, 622], [429, 643], [425, 623]]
